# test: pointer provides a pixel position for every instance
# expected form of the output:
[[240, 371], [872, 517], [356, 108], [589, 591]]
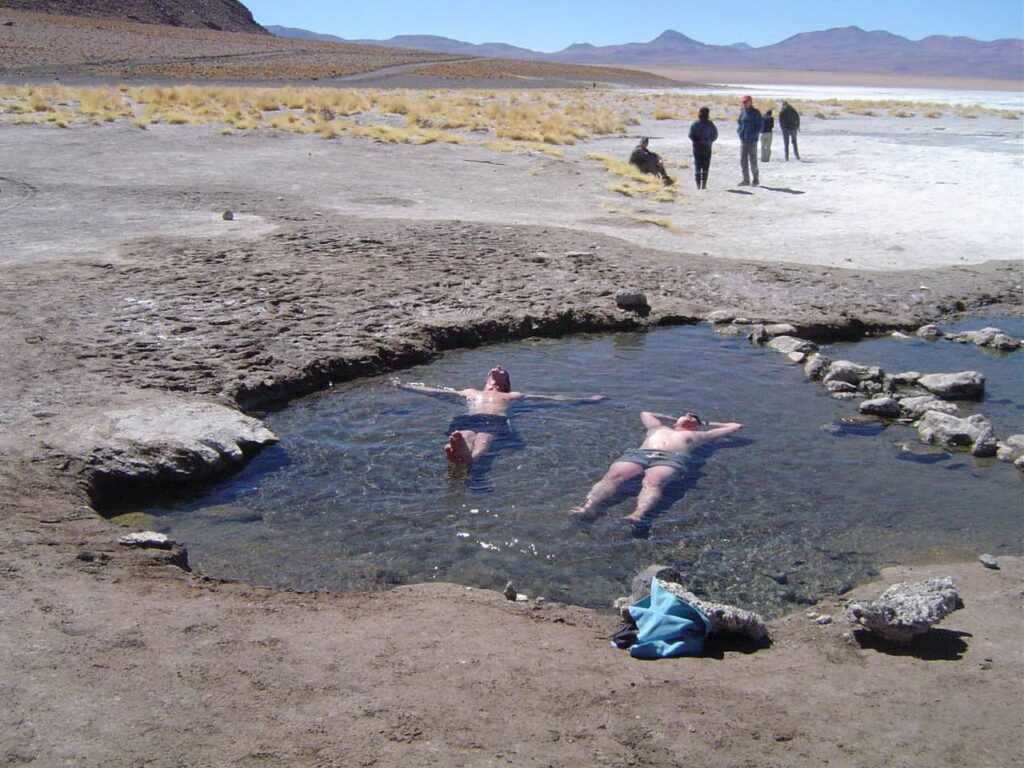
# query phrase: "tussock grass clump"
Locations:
[[658, 221], [504, 145], [634, 183]]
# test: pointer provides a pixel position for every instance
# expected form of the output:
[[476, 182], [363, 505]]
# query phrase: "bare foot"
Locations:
[[634, 518], [582, 513], [457, 449]]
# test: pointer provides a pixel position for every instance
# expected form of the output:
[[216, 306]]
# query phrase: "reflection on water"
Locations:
[[358, 494]]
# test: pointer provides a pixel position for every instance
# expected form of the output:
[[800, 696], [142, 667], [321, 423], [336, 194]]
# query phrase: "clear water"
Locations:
[[359, 496]]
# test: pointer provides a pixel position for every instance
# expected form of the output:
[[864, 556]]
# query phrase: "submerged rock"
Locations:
[[974, 432], [907, 609], [965, 385]]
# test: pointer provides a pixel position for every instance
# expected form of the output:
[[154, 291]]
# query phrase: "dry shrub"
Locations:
[[657, 221], [504, 145]]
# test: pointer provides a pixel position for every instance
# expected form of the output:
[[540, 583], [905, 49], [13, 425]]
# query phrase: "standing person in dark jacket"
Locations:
[[766, 137], [789, 122], [749, 126], [703, 134]]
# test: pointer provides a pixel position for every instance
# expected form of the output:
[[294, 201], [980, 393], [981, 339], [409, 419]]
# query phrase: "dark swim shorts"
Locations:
[[648, 457], [481, 422]]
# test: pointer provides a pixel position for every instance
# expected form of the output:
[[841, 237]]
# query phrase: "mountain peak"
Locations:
[[671, 36]]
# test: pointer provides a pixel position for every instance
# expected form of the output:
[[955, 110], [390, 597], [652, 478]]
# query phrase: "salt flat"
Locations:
[[871, 192]]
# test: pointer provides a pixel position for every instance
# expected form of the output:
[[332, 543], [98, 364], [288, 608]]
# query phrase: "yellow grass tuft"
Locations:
[[504, 145], [658, 221]]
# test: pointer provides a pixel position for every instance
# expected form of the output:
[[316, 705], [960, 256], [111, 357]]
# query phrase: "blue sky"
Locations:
[[551, 25]]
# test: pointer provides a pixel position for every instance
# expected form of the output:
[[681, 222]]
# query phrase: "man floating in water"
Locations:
[[470, 435], [659, 458]]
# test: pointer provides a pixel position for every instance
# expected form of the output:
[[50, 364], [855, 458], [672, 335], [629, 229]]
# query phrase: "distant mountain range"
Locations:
[[842, 49]]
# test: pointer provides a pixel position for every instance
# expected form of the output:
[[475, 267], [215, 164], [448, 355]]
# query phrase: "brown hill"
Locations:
[[224, 15]]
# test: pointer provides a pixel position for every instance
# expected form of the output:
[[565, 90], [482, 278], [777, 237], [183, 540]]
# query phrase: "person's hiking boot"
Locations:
[[755, 182], [669, 181], [744, 183]]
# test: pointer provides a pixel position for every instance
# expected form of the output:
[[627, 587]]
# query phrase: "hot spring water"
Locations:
[[358, 495]]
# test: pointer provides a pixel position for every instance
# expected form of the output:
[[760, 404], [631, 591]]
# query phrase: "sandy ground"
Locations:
[[123, 285]]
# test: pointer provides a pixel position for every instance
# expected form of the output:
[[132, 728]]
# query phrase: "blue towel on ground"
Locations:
[[667, 626]]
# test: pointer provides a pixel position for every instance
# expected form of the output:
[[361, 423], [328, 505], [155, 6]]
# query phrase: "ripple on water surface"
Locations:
[[358, 495]]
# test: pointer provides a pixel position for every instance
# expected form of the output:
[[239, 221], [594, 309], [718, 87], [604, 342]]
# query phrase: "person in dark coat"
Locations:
[[748, 126], [789, 122], [766, 137], [703, 134], [649, 162]]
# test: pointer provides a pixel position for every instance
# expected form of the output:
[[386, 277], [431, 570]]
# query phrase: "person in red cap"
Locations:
[[749, 126]]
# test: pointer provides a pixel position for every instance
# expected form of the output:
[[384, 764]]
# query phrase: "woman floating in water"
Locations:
[[471, 434]]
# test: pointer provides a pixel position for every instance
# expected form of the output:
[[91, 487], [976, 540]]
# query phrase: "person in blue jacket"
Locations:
[[749, 126], [703, 134]]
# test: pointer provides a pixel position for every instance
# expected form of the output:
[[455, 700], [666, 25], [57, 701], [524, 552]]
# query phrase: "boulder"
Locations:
[[989, 562], [1011, 448], [840, 387], [788, 344], [815, 366], [780, 329], [907, 609], [147, 540], [884, 407], [974, 432], [156, 438], [965, 385], [852, 373], [719, 316], [725, 619], [905, 378], [929, 332], [635, 301], [993, 338], [916, 407]]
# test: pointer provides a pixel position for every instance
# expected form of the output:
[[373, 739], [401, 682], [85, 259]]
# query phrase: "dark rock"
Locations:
[[634, 301]]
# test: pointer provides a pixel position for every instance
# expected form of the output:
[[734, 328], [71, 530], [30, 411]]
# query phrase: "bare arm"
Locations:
[[563, 398], [722, 429], [653, 420], [423, 389]]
